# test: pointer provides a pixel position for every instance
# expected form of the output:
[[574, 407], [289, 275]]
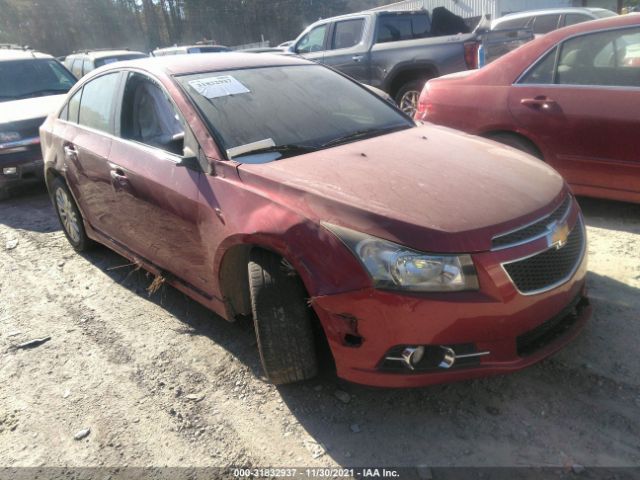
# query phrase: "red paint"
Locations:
[[587, 133], [428, 188]]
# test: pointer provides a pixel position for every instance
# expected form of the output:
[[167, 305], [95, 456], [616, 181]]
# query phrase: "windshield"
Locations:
[[300, 108], [33, 78], [99, 62]]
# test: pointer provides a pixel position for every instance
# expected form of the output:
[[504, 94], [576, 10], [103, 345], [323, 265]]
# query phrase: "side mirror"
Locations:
[[189, 160]]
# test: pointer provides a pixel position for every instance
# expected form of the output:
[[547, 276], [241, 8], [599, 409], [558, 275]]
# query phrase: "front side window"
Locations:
[[96, 105], [609, 58], [290, 108], [313, 41], [348, 33], [30, 78], [149, 117], [545, 24]]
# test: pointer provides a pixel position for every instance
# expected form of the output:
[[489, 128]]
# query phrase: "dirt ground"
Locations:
[[161, 381]]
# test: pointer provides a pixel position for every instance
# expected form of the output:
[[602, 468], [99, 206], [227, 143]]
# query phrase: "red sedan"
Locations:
[[571, 98], [273, 187]]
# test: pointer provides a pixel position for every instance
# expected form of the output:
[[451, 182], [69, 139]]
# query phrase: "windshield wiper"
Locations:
[[286, 150], [367, 133]]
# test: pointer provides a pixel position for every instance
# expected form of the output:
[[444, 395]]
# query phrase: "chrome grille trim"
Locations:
[[579, 259], [560, 214]]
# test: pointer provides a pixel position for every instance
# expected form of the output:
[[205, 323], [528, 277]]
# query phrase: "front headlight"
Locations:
[[396, 267]]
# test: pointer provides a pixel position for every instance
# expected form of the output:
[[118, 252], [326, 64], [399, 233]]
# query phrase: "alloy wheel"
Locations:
[[409, 102], [68, 215]]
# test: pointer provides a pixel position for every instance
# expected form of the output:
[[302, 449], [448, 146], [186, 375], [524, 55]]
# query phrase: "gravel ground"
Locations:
[[155, 381]]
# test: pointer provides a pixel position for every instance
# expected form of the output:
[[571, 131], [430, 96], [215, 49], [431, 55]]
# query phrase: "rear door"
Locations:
[[86, 130], [581, 103], [156, 200], [348, 52]]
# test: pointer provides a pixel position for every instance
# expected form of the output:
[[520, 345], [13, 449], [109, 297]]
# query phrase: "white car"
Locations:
[[545, 21]]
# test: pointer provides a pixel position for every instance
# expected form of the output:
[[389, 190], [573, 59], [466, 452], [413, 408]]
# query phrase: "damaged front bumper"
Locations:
[[464, 335]]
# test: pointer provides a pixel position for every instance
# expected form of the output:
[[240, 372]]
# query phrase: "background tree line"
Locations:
[[62, 26]]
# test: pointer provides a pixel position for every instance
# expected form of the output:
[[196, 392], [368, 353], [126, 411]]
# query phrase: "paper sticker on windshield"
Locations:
[[222, 86]]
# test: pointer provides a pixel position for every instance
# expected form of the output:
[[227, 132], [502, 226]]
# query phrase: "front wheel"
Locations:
[[282, 318], [69, 215], [408, 96]]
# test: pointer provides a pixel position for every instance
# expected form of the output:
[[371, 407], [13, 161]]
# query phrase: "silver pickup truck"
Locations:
[[398, 51]]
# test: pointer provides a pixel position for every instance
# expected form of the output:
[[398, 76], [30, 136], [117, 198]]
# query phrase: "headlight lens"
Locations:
[[396, 267]]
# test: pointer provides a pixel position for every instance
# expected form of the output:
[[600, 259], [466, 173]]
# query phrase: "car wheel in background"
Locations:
[[282, 318], [517, 141], [408, 96], [69, 215]]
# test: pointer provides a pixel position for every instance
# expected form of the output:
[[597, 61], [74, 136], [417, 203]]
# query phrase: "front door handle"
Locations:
[[539, 103], [70, 153], [357, 58]]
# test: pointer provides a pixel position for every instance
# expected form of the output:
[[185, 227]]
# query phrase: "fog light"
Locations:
[[412, 356], [9, 170]]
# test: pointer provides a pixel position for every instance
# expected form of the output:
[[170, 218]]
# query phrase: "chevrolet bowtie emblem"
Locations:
[[558, 234]]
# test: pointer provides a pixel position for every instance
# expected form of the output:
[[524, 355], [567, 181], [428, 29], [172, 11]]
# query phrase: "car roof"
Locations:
[[549, 11], [96, 54], [21, 54], [207, 62]]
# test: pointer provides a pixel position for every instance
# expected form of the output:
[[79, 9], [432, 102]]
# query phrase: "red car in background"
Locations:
[[571, 98]]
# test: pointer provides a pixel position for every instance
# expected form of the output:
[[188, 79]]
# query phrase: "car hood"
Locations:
[[431, 188], [29, 108]]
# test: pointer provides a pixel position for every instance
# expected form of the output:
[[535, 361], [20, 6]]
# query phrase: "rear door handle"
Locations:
[[118, 176], [539, 103], [70, 153], [357, 58]]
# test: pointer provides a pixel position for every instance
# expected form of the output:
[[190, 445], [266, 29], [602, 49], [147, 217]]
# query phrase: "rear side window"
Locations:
[[98, 99], [393, 28], [71, 109], [575, 18], [513, 23], [545, 23], [348, 33], [76, 67], [87, 66]]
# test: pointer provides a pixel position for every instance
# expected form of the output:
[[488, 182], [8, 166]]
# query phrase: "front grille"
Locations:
[[533, 231], [550, 268], [541, 336]]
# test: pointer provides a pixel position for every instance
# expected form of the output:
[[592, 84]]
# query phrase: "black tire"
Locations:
[[282, 318], [409, 91], [69, 215], [518, 142]]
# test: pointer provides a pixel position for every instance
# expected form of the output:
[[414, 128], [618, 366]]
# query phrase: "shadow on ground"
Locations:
[[30, 209], [610, 214]]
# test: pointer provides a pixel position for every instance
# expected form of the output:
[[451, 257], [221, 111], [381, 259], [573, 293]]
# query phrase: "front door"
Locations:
[[156, 199], [347, 52]]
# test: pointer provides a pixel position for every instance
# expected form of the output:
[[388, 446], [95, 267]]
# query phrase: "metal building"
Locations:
[[497, 8]]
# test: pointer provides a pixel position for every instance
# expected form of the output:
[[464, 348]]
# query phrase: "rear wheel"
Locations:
[[518, 142], [408, 95], [282, 318], [69, 215]]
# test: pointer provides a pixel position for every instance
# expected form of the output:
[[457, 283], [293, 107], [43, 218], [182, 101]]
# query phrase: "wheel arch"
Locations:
[[491, 133], [405, 73]]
